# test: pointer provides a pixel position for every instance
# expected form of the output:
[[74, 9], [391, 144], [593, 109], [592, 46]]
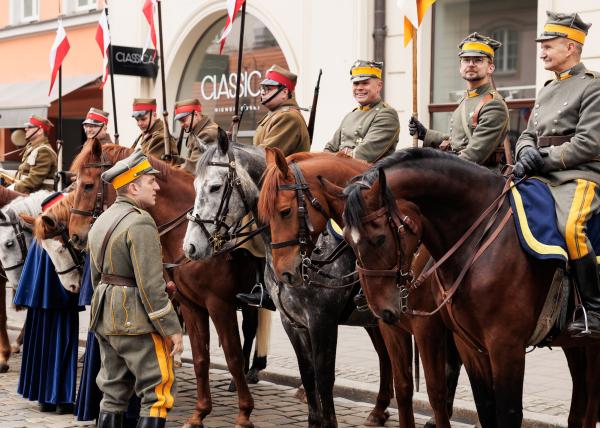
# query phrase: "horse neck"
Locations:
[[253, 165]]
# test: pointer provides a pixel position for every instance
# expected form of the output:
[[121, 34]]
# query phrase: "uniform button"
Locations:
[[555, 121], [536, 113], [565, 103], [377, 109], [128, 324], [355, 132], [535, 123], [450, 129], [554, 130], [537, 106], [560, 111]]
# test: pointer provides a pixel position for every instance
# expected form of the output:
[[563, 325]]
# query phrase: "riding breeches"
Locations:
[[139, 364], [576, 202]]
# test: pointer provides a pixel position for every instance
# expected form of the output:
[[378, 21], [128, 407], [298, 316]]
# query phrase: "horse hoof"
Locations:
[[231, 387], [3, 367], [374, 420], [252, 376], [247, 424], [430, 423], [15, 349], [189, 425]]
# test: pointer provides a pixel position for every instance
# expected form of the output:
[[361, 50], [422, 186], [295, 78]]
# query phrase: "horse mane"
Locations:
[[60, 212], [28, 204]]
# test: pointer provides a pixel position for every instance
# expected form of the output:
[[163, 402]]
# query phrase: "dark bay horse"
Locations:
[[310, 314], [500, 296], [204, 289], [280, 207]]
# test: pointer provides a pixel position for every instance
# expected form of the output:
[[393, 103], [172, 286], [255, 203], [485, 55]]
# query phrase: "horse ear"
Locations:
[[48, 220], [275, 156], [97, 148], [223, 141], [27, 218], [331, 189]]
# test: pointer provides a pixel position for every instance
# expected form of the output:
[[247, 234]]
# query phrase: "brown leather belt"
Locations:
[[555, 140], [117, 280]]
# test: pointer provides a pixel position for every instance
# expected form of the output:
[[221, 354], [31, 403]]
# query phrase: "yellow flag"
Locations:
[[422, 7]]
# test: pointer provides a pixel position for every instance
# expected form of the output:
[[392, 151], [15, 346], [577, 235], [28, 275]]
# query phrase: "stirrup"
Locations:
[[586, 331], [262, 294]]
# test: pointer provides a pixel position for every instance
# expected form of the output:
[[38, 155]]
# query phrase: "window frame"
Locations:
[[91, 5], [35, 6], [506, 32]]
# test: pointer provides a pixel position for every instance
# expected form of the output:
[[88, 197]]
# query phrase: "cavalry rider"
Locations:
[[133, 319], [152, 138], [561, 145], [39, 162], [479, 125], [201, 129], [370, 131], [95, 126]]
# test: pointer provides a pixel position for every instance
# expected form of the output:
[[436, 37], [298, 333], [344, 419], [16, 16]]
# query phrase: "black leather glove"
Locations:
[[531, 161], [519, 170], [416, 127]]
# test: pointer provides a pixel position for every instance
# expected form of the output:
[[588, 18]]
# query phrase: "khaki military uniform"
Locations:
[[283, 128], [38, 167], [132, 323], [370, 131], [475, 142], [152, 142], [106, 140], [206, 130], [565, 126]]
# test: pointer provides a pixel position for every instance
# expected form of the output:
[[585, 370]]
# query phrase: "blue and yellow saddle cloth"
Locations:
[[535, 220]]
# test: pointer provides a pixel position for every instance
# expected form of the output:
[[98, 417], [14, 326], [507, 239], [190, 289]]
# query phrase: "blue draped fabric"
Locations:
[[86, 291], [50, 341]]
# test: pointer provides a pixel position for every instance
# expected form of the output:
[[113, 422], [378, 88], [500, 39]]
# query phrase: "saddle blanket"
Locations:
[[535, 220]]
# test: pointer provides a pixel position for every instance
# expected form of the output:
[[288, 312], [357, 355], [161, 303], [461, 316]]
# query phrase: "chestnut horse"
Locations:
[[500, 293], [204, 289], [280, 208]]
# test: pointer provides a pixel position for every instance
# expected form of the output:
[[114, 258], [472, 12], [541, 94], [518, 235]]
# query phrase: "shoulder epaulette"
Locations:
[[592, 74]]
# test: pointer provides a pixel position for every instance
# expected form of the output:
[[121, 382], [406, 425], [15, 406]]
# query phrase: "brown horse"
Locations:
[[5, 348], [499, 294], [204, 289], [281, 209]]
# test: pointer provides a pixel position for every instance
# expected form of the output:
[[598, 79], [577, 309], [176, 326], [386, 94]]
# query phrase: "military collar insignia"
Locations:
[[564, 75], [364, 108]]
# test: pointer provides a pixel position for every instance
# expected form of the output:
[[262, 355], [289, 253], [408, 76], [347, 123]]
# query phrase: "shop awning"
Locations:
[[20, 100]]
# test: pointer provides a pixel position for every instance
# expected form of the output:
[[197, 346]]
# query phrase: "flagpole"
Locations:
[[167, 135], [236, 118], [415, 106], [112, 77]]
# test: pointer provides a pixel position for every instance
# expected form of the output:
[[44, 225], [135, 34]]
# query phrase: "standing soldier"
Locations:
[[201, 129], [480, 123], [284, 126], [152, 138], [131, 314], [39, 162], [370, 131], [95, 126], [561, 144]]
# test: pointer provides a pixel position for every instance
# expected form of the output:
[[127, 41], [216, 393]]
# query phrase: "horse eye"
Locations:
[[9, 243], [88, 187], [380, 240], [214, 188], [285, 213]]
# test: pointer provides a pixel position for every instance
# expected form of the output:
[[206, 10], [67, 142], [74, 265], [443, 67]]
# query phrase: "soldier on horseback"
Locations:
[[95, 126], [561, 145], [478, 126], [152, 138]]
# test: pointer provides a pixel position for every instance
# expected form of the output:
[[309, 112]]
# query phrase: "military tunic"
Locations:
[[283, 128], [205, 131], [152, 142], [370, 131], [132, 324], [38, 167], [474, 143]]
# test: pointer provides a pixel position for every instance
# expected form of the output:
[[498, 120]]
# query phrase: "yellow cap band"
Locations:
[[478, 47], [364, 71], [131, 174], [571, 33]]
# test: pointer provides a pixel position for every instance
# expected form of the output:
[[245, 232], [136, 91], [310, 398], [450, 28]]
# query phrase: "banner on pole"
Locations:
[[233, 7], [103, 40], [58, 52]]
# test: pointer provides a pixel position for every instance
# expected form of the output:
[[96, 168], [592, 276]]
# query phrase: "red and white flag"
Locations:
[[233, 7], [103, 40], [58, 52], [148, 10]]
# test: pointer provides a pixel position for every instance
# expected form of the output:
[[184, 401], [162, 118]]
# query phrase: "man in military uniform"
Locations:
[[39, 162], [370, 131], [201, 129], [561, 145], [95, 126], [152, 138], [131, 315], [284, 126], [480, 123]]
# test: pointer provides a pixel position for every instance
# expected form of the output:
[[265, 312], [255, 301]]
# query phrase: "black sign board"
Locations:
[[129, 61]]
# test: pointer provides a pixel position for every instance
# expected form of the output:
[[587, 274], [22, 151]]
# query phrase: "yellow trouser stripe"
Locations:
[[578, 215], [164, 398]]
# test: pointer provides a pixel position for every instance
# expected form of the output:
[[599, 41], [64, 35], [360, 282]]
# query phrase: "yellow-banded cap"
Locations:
[[567, 25], [476, 44], [128, 169], [363, 70]]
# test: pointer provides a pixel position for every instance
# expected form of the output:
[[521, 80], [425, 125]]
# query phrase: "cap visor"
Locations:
[[181, 116], [270, 82], [546, 37], [361, 78], [92, 122], [137, 114]]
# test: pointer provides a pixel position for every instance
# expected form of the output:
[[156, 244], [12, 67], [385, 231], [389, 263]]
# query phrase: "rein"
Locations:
[[76, 256], [19, 230], [100, 203]]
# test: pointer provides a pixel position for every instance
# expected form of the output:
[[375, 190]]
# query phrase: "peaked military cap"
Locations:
[[567, 25], [36, 121], [363, 70], [279, 76], [141, 106], [184, 108], [476, 44], [96, 117], [126, 170]]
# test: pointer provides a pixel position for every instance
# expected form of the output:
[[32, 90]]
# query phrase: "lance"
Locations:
[[112, 77], [167, 135], [313, 108], [59, 138], [236, 119]]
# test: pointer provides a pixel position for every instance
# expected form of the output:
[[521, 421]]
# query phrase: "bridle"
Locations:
[[76, 256], [222, 235], [19, 230], [100, 202]]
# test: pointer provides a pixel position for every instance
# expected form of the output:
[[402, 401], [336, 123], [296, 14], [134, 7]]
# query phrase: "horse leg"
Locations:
[[508, 371], [196, 320], [263, 334], [301, 343], [15, 348], [577, 367], [249, 326], [399, 346], [4, 342], [592, 376], [225, 321], [379, 415]]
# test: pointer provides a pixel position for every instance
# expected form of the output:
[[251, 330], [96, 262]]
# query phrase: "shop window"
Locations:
[[211, 77]]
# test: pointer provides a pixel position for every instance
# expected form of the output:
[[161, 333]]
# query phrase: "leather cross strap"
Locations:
[[109, 233], [554, 140], [486, 99]]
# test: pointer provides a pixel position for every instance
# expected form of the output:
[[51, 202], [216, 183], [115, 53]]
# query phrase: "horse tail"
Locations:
[[263, 332]]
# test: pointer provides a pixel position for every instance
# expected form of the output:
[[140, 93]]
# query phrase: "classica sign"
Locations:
[[134, 61], [223, 86]]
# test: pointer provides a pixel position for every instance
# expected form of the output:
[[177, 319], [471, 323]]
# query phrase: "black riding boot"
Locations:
[[360, 300], [259, 296], [147, 422], [110, 420], [585, 271]]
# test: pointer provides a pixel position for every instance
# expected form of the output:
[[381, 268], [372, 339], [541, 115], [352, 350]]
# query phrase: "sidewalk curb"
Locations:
[[464, 411]]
